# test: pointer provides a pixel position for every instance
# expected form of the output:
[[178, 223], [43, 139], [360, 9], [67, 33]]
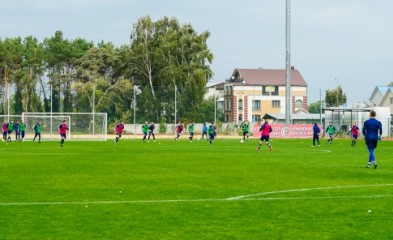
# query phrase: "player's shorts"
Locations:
[[9, 131], [211, 135], [266, 138], [63, 135], [245, 133], [191, 134], [331, 134], [118, 134], [355, 136], [371, 144]]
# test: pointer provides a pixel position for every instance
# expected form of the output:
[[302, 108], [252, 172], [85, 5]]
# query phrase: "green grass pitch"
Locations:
[[181, 190]]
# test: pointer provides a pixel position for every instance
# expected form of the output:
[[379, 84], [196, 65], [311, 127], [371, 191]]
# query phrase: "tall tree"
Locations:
[[165, 54], [335, 97]]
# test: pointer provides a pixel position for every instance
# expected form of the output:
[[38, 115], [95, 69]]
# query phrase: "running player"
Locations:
[[245, 126], [119, 130], [179, 130], [204, 131], [266, 129], [331, 130], [211, 133], [355, 133], [37, 131], [191, 130], [62, 128]]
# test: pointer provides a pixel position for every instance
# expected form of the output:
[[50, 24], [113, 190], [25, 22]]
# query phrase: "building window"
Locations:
[[240, 118], [299, 104], [256, 105], [240, 104], [270, 90], [228, 104], [276, 103], [256, 118]]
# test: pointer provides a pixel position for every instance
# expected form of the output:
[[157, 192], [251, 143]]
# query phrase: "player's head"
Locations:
[[64, 121], [266, 121], [373, 114]]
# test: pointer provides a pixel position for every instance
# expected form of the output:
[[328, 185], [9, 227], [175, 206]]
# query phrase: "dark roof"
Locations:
[[268, 77]]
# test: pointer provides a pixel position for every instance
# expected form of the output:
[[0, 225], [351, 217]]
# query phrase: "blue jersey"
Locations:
[[371, 128], [316, 130]]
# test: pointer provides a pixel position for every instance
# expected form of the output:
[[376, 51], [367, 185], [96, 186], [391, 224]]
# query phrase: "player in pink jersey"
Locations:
[[62, 129], [266, 129], [355, 133], [119, 131]]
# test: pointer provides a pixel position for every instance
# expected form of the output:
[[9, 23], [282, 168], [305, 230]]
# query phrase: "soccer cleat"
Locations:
[[375, 166], [270, 149], [368, 165], [257, 149]]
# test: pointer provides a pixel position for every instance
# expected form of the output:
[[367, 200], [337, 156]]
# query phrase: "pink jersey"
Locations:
[[179, 129], [119, 128], [63, 128], [355, 130], [266, 130], [5, 127]]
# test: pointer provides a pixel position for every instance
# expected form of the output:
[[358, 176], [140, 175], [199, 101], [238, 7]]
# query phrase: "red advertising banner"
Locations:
[[288, 131]]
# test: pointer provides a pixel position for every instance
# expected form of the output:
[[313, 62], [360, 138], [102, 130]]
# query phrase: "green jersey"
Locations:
[[10, 127], [191, 128], [37, 128], [331, 129], [22, 127], [211, 129], [245, 127], [145, 128]]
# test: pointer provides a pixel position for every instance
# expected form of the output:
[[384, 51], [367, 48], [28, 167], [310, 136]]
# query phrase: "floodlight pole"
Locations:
[[175, 104], [135, 88], [288, 65]]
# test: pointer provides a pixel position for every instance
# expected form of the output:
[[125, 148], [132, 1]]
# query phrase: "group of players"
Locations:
[[372, 130], [20, 129], [148, 131]]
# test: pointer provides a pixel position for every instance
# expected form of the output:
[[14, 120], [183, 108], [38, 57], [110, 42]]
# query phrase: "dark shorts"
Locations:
[[211, 135], [355, 136], [63, 136], [266, 138], [371, 144], [245, 133]]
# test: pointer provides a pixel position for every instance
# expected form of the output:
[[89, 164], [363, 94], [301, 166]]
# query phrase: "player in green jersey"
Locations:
[[211, 133], [37, 131], [22, 129], [145, 129], [331, 130], [245, 125], [191, 130]]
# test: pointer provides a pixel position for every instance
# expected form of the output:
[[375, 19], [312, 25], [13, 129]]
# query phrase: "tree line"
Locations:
[[164, 60]]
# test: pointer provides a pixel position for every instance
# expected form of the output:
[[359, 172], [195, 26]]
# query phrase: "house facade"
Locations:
[[249, 94], [382, 96]]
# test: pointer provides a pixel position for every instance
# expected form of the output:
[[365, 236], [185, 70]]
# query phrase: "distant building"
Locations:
[[251, 93], [216, 90], [382, 96]]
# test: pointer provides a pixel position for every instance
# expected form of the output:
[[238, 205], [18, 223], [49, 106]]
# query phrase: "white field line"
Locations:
[[308, 189], [239, 198]]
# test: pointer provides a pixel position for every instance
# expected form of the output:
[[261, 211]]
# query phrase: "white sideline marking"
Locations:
[[308, 189], [239, 198]]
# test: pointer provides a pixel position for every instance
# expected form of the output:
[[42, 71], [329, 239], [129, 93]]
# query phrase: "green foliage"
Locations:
[[315, 107], [335, 98], [178, 190], [162, 129]]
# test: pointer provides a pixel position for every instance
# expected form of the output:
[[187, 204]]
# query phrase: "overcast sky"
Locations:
[[346, 42]]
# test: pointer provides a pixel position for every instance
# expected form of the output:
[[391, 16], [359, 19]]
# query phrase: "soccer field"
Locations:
[[181, 190]]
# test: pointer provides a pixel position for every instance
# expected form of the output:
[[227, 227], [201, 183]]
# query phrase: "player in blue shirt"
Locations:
[[372, 131], [316, 132]]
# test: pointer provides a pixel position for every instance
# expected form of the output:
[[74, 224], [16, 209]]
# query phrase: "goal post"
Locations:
[[83, 126]]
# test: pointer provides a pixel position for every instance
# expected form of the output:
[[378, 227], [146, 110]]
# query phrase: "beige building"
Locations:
[[251, 93]]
